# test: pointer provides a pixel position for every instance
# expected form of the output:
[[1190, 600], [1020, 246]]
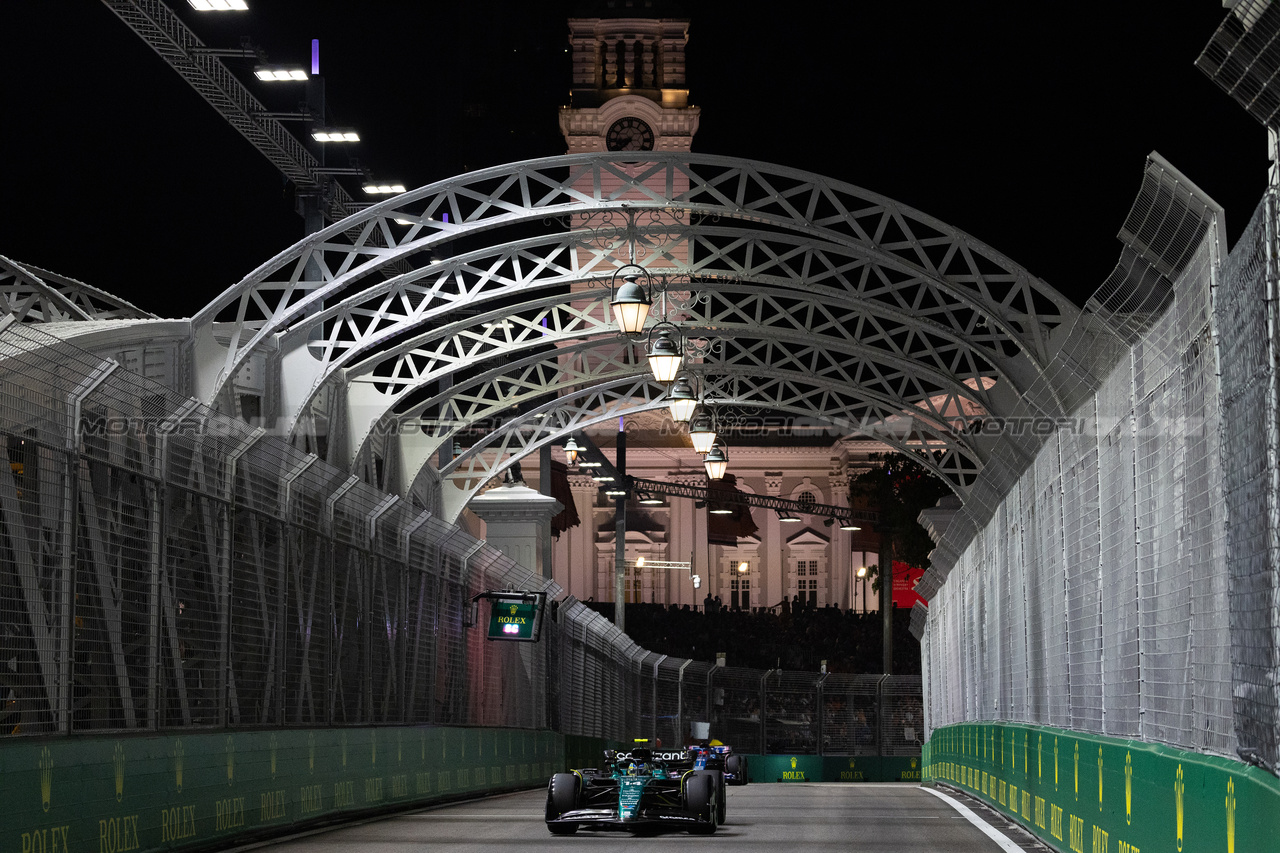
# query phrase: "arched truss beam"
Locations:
[[278, 294], [783, 368], [504, 444], [832, 293], [33, 295], [895, 344], [921, 308]]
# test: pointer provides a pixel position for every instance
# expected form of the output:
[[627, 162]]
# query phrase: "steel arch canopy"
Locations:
[[811, 281], [504, 444]]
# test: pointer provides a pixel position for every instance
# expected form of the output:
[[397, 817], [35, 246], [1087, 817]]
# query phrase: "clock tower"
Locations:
[[629, 91]]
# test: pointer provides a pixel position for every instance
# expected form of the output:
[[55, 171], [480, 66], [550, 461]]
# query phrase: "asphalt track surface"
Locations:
[[790, 818]]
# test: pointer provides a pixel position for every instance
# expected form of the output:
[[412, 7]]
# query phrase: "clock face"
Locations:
[[629, 134]]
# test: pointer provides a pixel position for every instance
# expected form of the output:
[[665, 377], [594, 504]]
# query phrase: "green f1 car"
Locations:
[[635, 791]]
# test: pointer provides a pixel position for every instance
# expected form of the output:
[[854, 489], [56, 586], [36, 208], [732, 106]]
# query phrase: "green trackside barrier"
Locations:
[[581, 751], [1080, 792], [188, 790], [830, 768]]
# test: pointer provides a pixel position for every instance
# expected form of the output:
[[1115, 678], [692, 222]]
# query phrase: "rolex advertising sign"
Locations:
[[514, 617]]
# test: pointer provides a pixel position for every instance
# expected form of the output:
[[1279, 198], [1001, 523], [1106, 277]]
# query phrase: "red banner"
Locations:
[[905, 579]]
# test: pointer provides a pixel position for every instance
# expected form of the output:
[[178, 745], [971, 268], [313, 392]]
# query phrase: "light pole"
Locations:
[[620, 538]]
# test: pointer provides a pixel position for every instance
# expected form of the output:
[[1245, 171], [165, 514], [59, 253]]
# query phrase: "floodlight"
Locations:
[[328, 134], [219, 5], [272, 75]]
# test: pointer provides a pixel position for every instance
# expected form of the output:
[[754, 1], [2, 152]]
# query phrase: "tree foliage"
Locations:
[[899, 487]]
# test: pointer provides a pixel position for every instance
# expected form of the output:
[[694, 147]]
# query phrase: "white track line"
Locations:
[[987, 829]]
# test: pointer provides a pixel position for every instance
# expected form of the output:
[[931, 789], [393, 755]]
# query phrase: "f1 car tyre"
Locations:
[[722, 801], [737, 765], [562, 796], [700, 799]]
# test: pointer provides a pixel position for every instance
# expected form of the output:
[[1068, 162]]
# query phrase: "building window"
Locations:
[[632, 584], [740, 584], [806, 499], [807, 573]]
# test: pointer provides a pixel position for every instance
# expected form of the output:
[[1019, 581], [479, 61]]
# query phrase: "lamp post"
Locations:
[[683, 399], [571, 451], [886, 575], [702, 432], [665, 353], [631, 300], [716, 462], [620, 538]]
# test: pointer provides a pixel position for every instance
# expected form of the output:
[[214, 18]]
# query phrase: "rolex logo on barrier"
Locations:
[[1128, 788], [1099, 778], [1179, 788], [1077, 771], [793, 763], [1055, 763], [46, 777], [117, 763], [1231, 815]]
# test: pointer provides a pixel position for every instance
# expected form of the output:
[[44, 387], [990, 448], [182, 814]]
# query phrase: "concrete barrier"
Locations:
[[1080, 792], [189, 790]]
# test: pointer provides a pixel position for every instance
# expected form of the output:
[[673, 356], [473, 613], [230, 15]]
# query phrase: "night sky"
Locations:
[[1026, 125]]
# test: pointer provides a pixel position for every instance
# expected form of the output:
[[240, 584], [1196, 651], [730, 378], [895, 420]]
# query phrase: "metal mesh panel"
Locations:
[[1121, 674], [164, 566], [737, 707], [792, 717], [902, 715], [670, 726], [1164, 581], [387, 638], [1081, 533], [695, 693], [1013, 598], [1102, 579], [423, 600], [850, 714], [195, 586], [257, 596], [306, 634], [1245, 312], [115, 652]]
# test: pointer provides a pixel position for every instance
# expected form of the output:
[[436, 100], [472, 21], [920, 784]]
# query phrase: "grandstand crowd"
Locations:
[[778, 637]]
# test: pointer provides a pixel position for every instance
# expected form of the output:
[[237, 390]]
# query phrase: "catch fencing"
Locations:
[[165, 567], [615, 689], [1127, 583]]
